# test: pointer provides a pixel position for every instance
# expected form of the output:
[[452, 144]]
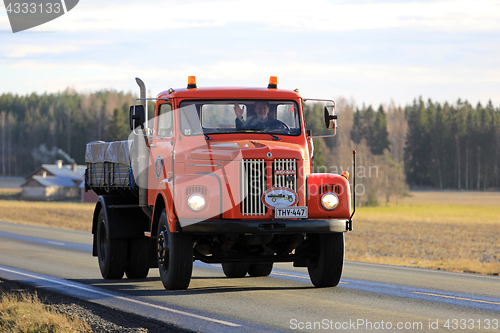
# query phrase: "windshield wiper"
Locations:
[[259, 131]]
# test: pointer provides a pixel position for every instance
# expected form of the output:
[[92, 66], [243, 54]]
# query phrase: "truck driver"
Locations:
[[260, 121]]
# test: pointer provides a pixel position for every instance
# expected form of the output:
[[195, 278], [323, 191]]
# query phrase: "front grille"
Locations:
[[255, 182], [285, 174], [253, 185]]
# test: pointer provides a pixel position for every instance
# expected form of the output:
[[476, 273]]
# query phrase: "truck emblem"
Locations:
[[285, 173], [269, 154], [279, 197], [158, 166]]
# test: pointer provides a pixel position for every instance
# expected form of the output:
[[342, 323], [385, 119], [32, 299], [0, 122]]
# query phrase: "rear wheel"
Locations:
[[138, 261], [175, 256], [111, 252], [235, 270], [325, 267], [263, 269]]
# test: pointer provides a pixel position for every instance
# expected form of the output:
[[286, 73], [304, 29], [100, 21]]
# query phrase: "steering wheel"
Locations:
[[278, 124]]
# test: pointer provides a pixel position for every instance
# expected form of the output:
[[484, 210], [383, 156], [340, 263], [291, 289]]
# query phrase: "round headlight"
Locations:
[[329, 201], [196, 202]]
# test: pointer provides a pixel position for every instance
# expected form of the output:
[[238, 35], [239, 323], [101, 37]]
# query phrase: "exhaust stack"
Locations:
[[143, 156]]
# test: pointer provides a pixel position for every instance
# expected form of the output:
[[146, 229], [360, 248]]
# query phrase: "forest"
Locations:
[[424, 144]]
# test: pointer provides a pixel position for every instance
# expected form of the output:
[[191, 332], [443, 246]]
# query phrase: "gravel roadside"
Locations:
[[100, 318]]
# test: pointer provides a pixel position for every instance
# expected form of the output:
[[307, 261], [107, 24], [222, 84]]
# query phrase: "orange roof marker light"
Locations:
[[192, 82], [273, 82], [345, 174]]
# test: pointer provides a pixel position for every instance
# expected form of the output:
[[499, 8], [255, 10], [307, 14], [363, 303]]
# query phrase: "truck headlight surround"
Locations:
[[329, 201], [196, 202]]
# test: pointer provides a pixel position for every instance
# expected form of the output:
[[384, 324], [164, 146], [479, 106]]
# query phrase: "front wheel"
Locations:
[[260, 269], [234, 270], [326, 264], [111, 252], [175, 256]]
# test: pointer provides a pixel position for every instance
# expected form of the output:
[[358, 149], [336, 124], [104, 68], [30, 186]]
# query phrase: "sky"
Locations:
[[371, 52]]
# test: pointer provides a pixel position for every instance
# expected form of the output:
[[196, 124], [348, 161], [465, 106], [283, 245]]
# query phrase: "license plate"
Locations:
[[290, 212]]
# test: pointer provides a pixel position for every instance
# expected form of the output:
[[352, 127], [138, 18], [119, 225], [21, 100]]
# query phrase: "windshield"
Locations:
[[239, 116]]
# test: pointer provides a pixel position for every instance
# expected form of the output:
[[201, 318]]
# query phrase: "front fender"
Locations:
[[320, 183], [208, 185]]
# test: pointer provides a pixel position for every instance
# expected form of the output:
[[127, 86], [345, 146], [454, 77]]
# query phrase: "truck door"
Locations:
[[161, 145]]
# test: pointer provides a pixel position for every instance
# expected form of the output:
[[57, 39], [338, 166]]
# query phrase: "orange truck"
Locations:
[[220, 175]]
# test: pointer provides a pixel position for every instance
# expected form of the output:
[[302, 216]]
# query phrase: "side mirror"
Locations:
[[137, 119], [329, 119]]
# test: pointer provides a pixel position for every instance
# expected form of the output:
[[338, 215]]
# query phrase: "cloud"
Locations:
[[27, 50], [373, 51], [313, 15], [365, 82]]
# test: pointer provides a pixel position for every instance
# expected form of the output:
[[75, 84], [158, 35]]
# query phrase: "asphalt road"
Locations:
[[370, 297]]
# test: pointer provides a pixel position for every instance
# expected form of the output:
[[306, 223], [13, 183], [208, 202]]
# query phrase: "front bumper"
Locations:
[[267, 226]]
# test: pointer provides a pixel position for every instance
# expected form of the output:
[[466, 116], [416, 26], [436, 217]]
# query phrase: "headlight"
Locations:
[[329, 201], [196, 202]]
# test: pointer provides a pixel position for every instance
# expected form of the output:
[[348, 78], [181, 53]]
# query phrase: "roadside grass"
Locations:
[[454, 231], [23, 312]]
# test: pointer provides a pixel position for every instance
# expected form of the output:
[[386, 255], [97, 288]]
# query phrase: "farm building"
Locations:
[[54, 182]]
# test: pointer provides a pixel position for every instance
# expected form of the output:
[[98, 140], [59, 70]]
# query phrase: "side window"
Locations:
[[287, 114], [165, 120]]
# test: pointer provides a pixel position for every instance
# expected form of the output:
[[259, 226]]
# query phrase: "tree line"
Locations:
[[38, 129], [423, 145], [426, 144], [377, 137], [453, 146]]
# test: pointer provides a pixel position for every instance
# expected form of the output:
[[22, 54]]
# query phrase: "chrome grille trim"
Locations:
[[253, 185], [281, 180]]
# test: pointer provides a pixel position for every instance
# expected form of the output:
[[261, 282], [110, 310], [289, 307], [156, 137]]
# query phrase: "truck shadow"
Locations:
[[218, 285]]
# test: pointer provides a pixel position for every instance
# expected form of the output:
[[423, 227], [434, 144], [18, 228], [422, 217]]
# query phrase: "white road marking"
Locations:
[[66, 284], [56, 243]]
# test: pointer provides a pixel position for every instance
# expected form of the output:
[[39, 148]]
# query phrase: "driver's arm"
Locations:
[[238, 111]]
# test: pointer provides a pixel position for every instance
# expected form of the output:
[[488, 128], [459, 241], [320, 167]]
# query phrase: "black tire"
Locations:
[[263, 269], [234, 270], [175, 256], [138, 261], [325, 267], [111, 252]]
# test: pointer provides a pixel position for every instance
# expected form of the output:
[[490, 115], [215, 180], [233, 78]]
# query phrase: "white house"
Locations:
[[54, 182]]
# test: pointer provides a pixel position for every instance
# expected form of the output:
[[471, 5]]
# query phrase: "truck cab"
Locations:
[[220, 175]]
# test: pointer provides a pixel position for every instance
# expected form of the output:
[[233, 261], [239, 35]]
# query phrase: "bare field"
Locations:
[[75, 216], [461, 248], [456, 231]]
